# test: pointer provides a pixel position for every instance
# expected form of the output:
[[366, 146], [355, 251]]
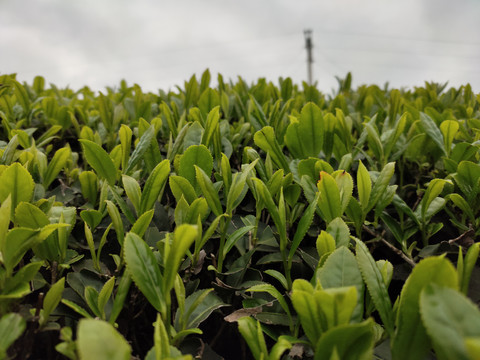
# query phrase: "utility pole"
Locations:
[[309, 46]]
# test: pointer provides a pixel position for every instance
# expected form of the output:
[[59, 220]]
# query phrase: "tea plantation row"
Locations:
[[265, 221]]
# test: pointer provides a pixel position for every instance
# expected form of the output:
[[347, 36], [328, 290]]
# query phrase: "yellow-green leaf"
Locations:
[[98, 340], [18, 183]]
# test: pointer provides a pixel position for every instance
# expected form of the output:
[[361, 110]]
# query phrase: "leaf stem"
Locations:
[[223, 236]]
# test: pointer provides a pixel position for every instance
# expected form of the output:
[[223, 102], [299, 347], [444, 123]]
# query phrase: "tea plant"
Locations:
[[279, 220]]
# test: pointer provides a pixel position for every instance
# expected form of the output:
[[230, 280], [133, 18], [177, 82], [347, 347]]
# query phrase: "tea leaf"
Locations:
[[449, 129], [325, 244], [161, 341], [89, 184], [345, 186], [104, 295], [211, 125], [411, 339], [91, 217], [462, 204], [329, 202], [380, 185], [199, 306], [181, 211], [211, 195], [339, 270], [226, 172], [51, 301], [5, 210], [154, 185], [20, 240], [195, 155], [237, 185], [98, 340], [273, 292], [267, 199], [469, 264], [349, 341], [133, 191], [99, 160], [58, 161], [198, 208], [442, 305], [468, 179], [120, 296], [181, 186], [141, 148], [303, 225], [77, 308], [304, 137], [434, 189], [29, 216], [374, 141], [18, 183], [116, 221], [340, 232], [392, 140], [144, 269], [142, 223], [12, 325], [23, 275], [375, 285], [364, 185], [234, 237], [431, 128], [125, 135], [307, 309], [265, 140], [183, 238], [252, 333]]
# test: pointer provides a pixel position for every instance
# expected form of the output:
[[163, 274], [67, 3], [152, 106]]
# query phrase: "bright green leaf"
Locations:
[[98, 340], [18, 183], [99, 160], [144, 269], [449, 318]]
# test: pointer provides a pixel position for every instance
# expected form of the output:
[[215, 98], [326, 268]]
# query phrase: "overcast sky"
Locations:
[[160, 44]]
